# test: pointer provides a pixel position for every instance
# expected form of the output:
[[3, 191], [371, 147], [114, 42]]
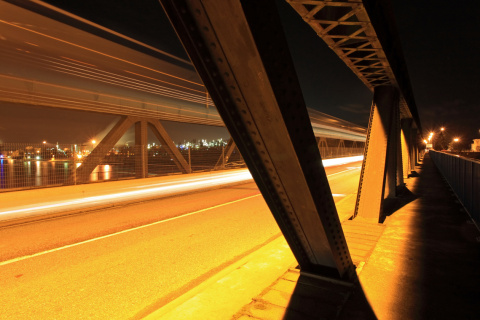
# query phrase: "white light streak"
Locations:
[[340, 161], [163, 189], [185, 184]]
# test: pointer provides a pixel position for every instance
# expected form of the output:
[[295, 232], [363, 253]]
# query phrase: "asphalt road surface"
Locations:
[[124, 262]]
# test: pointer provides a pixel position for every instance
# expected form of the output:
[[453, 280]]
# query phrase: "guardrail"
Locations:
[[30, 165], [463, 175]]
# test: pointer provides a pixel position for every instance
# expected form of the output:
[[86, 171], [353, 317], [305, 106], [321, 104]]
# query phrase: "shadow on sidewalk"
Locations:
[[441, 276], [315, 298], [426, 264]]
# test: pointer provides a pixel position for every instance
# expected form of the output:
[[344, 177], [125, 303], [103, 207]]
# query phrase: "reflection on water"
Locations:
[[25, 174]]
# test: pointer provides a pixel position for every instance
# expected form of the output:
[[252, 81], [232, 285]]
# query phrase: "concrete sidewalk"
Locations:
[[422, 263], [425, 265]]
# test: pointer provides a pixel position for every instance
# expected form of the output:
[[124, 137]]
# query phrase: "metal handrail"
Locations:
[[463, 176]]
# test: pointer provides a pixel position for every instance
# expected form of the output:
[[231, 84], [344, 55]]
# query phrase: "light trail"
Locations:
[[158, 80], [150, 190], [125, 231], [156, 189], [172, 188], [340, 161], [115, 78], [91, 72], [98, 52], [134, 111]]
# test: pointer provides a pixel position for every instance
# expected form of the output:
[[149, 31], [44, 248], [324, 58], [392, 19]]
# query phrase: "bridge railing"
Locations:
[[463, 175], [27, 166]]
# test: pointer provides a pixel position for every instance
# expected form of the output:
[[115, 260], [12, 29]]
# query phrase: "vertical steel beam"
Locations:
[[242, 56], [407, 147], [226, 155], [413, 146], [405, 155], [371, 189], [108, 142], [341, 148], [141, 156], [167, 142], [392, 150], [400, 171]]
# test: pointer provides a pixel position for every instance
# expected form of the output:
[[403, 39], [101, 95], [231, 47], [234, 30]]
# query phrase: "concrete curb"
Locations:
[[221, 296]]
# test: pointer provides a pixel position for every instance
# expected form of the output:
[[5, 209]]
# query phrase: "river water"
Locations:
[[16, 174]]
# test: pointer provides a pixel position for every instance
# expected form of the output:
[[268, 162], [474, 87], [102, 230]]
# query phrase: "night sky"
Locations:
[[440, 41]]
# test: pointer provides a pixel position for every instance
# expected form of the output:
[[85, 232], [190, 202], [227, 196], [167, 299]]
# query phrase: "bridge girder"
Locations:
[[82, 173], [242, 57], [363, 34]]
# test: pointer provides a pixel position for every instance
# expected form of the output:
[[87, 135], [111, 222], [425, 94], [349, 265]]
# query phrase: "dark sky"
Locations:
[[440, 40]]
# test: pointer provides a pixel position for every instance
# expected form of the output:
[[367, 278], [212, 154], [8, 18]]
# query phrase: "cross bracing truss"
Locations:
[[347, 28]]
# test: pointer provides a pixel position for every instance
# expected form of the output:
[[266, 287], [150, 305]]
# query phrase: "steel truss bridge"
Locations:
[[264, 111], [51, 64]]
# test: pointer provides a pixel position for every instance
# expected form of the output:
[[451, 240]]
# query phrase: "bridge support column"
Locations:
[[341, 148], [226, 154], [378, 155], [141, 155], [242, 56], [323, 147], [108, 142], [141, 160], [406, 146], [165, 140], [392, 154], [400, 171], [413, 148]]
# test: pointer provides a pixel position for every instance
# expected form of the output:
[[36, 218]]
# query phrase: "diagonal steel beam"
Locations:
[[226, 153], [242, 56], [108, 142], [378, 175], [167, 142]]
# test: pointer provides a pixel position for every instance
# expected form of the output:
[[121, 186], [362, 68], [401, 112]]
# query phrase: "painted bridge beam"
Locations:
[[378, 175], [242, 57], [82, 173]]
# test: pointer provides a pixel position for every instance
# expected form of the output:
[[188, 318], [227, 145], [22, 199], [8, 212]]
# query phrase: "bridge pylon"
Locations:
[[95, 158]]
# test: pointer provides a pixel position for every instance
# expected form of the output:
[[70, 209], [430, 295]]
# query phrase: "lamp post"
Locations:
[[454, 143], [436, 139]]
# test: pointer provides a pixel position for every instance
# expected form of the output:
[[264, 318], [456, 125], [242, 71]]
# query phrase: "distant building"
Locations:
[[476, 145]]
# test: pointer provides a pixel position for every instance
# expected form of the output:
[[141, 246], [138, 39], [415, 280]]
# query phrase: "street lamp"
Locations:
[[455, 140]]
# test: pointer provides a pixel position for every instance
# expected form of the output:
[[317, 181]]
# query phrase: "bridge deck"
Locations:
[[426, 265]]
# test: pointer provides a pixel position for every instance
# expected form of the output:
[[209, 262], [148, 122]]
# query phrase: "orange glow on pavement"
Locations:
[[186, 184]]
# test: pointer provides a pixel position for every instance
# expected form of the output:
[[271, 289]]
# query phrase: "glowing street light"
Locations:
[[456, 139]]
